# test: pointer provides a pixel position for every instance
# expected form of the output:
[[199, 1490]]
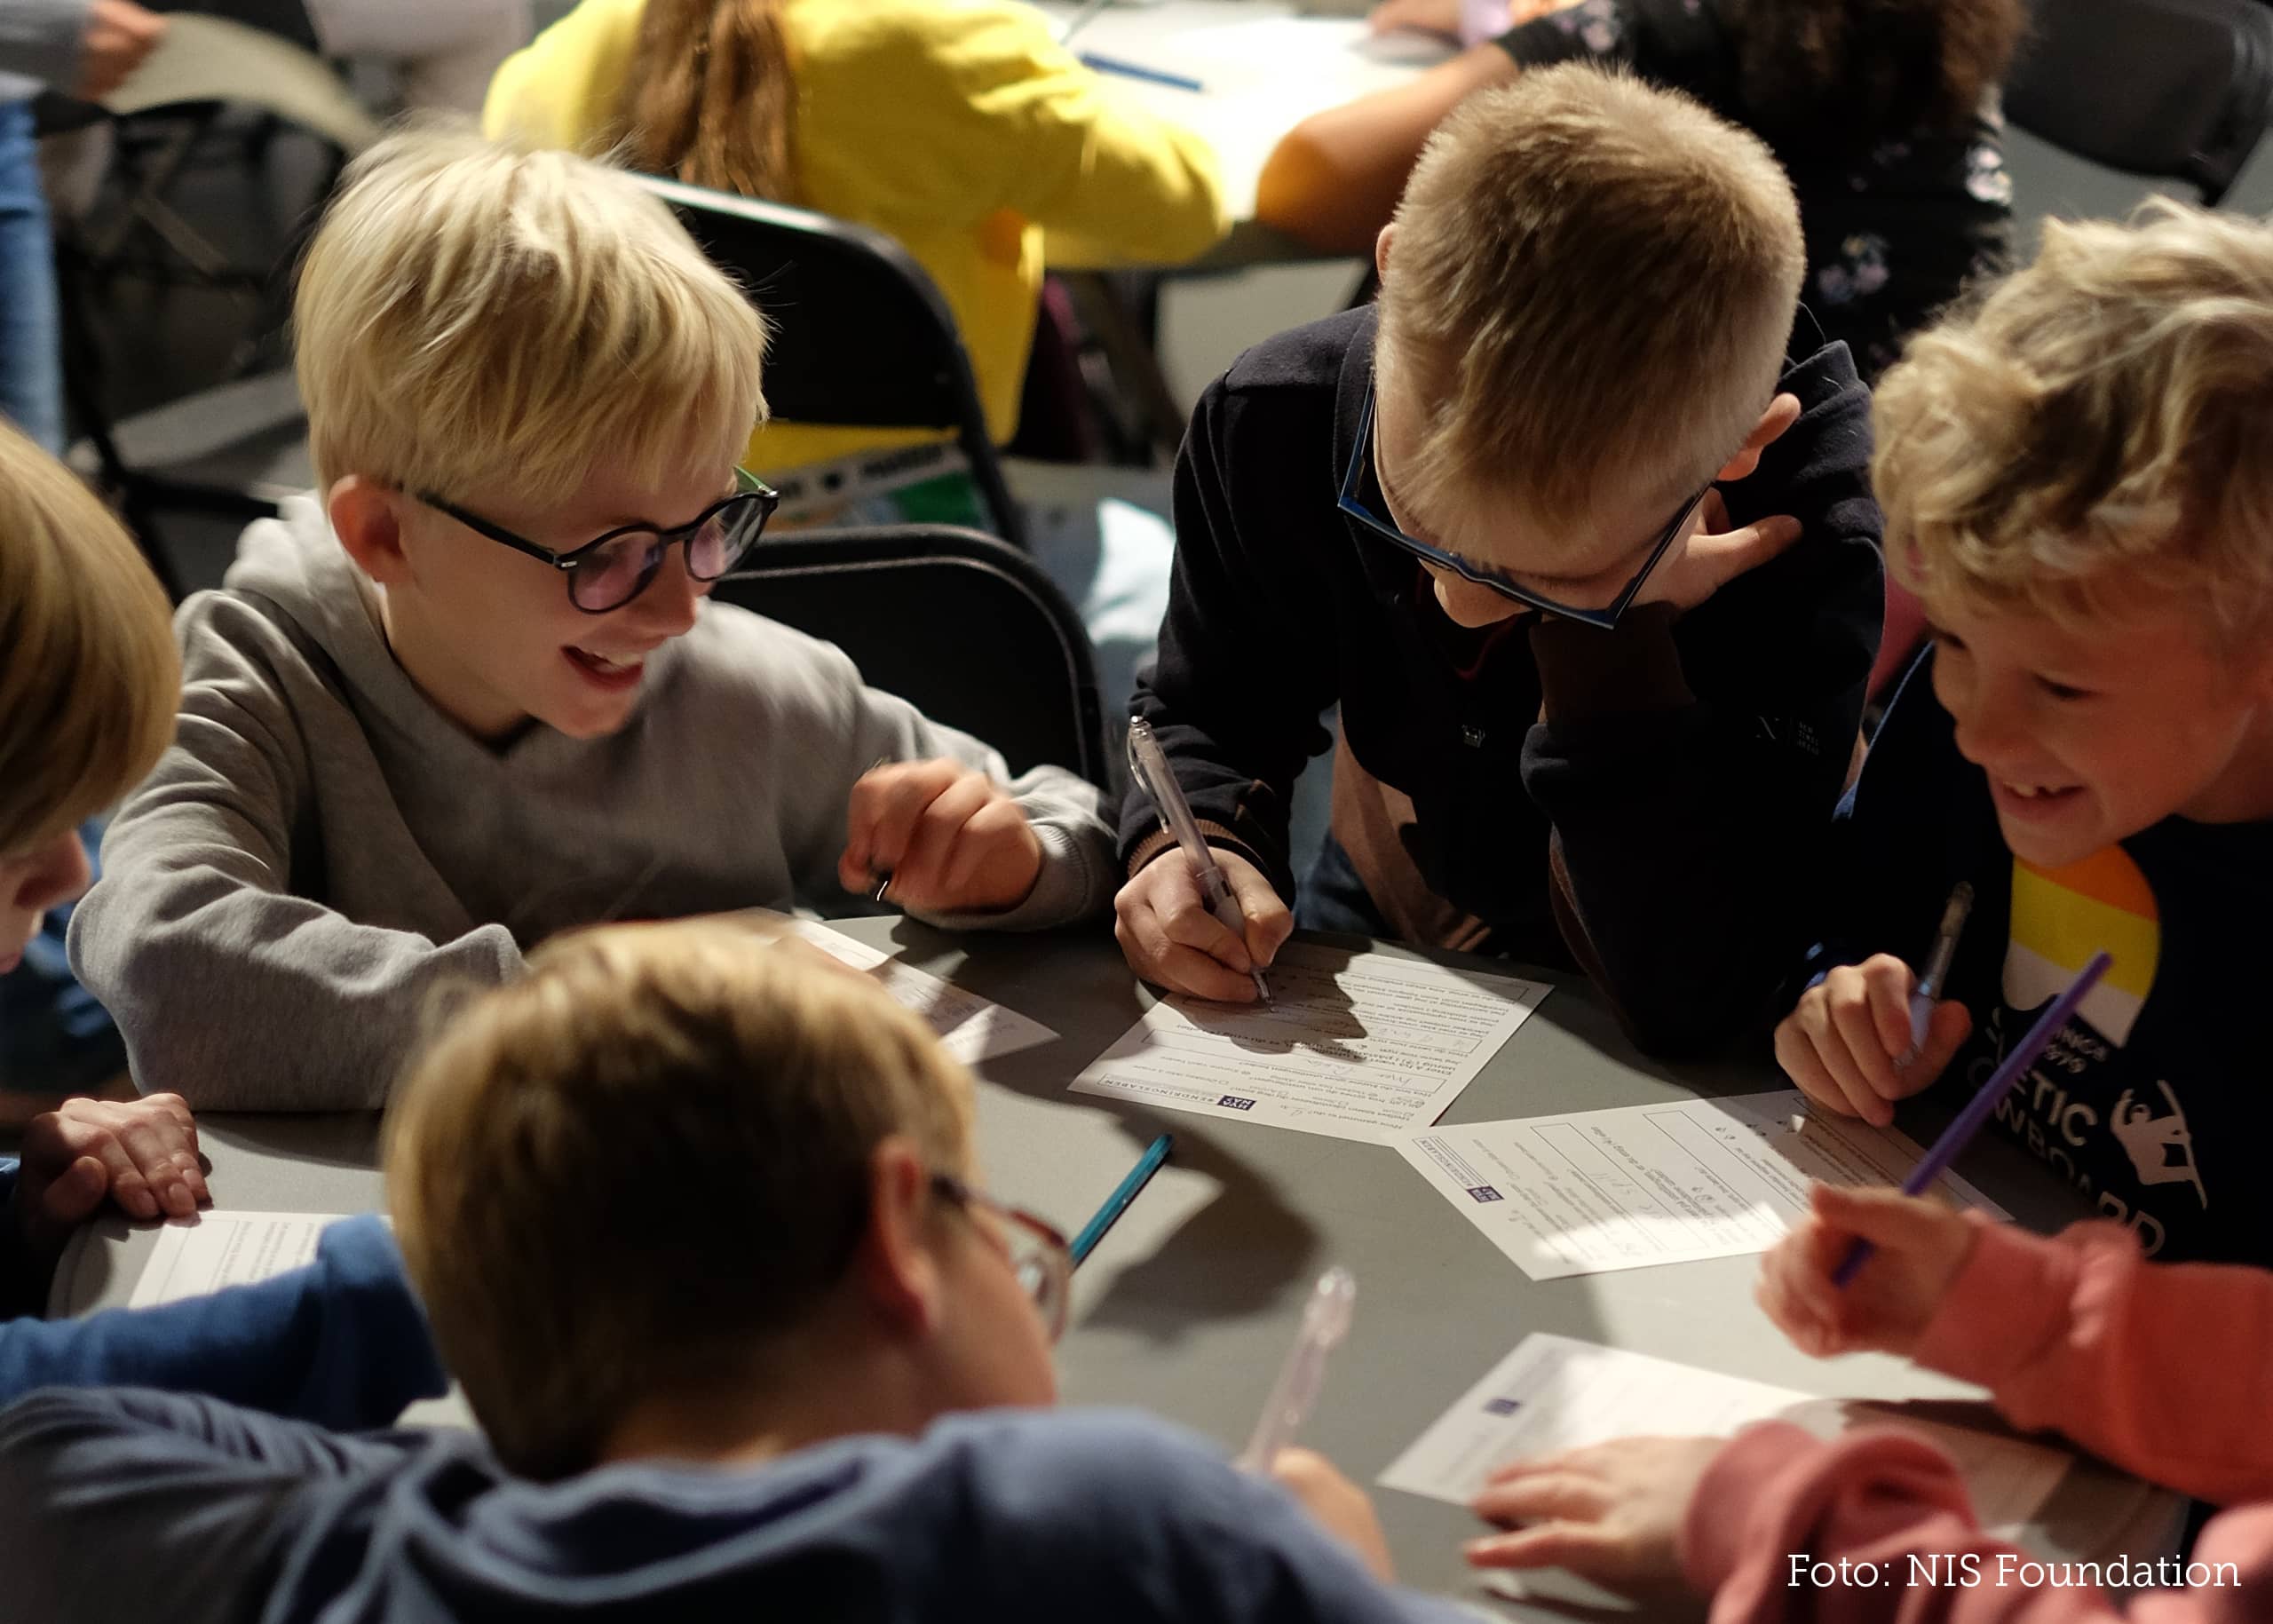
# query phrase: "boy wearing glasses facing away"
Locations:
[[790, 1364], [473, 696], [1589, 568]]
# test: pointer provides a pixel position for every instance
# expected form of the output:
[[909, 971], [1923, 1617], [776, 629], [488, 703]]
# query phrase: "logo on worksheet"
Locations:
[[1483, 1192], [1232, 1102], [2060, 917]]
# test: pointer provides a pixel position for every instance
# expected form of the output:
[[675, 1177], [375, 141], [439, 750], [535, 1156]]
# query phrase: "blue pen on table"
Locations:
[[1326, 1321], [1928, 990], [1969, 1122], [1151, 767], [1137, 71], [1117, 1203]]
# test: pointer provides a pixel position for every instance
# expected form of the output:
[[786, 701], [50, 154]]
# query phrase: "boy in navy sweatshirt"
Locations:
[[2075, 478], [695, 1216], [1589, 567]]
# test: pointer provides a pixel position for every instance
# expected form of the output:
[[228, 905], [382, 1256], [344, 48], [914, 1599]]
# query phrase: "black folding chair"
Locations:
[[862, 337], [2179, 89], [958, 624]]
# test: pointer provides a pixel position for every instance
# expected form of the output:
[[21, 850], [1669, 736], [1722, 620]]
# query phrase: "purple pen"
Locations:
[[1969, 1122]]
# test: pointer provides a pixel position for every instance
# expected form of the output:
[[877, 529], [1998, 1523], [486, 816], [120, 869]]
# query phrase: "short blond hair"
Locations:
[[2095, 422], [89, 683], [471, 316], [638, 1169], [1591, 279]]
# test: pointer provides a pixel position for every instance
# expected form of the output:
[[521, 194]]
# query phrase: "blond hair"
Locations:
[[2095, 422], [636, 1169], [1591, 278], [710, 97], [89, 679], [470, 316]]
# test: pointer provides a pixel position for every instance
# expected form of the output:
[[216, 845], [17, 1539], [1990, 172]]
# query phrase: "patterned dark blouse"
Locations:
[[1891, 237]]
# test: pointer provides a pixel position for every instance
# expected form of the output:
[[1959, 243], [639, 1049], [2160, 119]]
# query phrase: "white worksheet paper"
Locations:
[[968, 1026], [1643, 1185], [195, 1257], [1555, 1392], [1358, 1046]]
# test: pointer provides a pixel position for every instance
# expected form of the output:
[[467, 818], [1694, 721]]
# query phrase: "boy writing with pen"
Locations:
[[2074, 481], [2073, 477], [1588, 567], [696, 1219]]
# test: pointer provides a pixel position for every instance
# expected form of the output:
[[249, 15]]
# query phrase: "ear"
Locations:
[[900, 1271], [1782, 413], [368, 519], [1381, 251]]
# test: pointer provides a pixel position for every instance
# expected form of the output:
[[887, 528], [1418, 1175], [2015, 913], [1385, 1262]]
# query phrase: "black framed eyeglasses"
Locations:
[[1036, 1250], [1497, 580], [609, 571]]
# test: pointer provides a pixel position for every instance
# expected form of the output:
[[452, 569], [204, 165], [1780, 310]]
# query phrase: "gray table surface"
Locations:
[[1188, 1305]]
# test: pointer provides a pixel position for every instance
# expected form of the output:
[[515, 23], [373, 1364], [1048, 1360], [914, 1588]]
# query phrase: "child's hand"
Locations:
[[1339, 1505], [1847, 1043], [119, 34], [1173, 941], [1423, 16], [1611, 1513], [141, 1152], [941, 837], [1920, 1247], [1710, 555]]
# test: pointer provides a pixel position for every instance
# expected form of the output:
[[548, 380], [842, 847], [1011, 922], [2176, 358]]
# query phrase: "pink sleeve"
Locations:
[[2149, 1365], [1780, 1513]]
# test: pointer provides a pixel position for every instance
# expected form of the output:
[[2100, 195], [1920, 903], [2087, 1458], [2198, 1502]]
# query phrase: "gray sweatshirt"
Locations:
[[321, 850], [39, 45]]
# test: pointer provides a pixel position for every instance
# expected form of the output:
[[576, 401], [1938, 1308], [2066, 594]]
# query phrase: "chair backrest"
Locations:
[[959, 624], [2174, 89], [862, 337]]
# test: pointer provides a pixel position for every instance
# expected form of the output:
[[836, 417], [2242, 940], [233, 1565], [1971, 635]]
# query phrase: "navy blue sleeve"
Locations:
[[1692, 768], [111, 1500], [1120, 1518], [1246, 650], [342, 1342], [1912, 826]]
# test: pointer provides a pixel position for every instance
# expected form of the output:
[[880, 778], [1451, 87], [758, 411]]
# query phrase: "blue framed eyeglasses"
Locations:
[[1497, 580]]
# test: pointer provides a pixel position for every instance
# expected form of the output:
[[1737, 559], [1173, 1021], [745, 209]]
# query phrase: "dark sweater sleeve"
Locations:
[[1246, 662], [342, 1342], [125, 1504], [1691, 770], [1899, 842]]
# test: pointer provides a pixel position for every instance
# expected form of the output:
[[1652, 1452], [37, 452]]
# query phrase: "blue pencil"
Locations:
[[1137, 71], [1117, 1203], [1970, 1120]]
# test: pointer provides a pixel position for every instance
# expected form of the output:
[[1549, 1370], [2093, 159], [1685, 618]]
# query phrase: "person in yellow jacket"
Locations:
[[959, 127]]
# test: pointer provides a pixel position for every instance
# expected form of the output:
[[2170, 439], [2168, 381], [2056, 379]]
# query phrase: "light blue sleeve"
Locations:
[[342, 1341]]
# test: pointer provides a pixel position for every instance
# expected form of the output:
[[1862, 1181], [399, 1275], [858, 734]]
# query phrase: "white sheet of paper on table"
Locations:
[[968, 1026], [1355, 1047], [1553, 1393], [195, 1257], [1644, 1184]]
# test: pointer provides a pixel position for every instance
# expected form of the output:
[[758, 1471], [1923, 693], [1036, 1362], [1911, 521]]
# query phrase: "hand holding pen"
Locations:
[[1200, 920], [1869, 1035], [939, 837]]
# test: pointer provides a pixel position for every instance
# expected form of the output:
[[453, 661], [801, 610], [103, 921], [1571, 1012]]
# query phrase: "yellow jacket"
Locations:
[[959, 127]]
